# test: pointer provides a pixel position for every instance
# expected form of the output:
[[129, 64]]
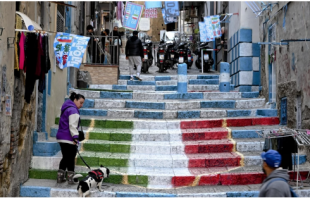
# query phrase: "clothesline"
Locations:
[[35, 31]]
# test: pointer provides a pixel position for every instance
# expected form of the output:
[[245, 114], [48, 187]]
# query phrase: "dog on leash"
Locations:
[[94, 178]]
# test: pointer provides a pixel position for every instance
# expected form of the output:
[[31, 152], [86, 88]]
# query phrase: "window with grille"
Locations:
[[60, 22]]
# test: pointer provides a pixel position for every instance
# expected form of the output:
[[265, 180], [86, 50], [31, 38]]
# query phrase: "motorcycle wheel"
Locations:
[[161, 68], [144, 67], [198, 64]]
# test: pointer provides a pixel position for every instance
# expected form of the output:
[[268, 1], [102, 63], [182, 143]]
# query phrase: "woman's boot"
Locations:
[[61, 176], [70, 175]]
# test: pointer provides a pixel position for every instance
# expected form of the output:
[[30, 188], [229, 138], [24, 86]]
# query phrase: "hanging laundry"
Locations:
[[120, 11], [22, 50], [40, 53], [31, 53], [45, 64], [16, 60], [150, 13]]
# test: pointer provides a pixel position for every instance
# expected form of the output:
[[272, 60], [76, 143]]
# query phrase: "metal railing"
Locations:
[[102, 50]]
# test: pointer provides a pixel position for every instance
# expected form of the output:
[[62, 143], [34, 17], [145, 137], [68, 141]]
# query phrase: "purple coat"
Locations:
[[72, 114]]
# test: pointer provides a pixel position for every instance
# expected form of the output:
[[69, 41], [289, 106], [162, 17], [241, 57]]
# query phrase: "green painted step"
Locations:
[[106, 146], [109, 124], [140, 180], [110, 135], [107, 159]]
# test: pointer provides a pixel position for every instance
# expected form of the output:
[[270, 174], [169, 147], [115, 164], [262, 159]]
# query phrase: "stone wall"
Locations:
[[291, 69], [16, 131]]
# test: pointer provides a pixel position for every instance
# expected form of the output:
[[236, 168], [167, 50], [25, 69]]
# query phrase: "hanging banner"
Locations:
[[150, 13], [203, 32], [144, 24], [133, 14], [168, 19], [152, 4], [213, 27], [69, 49], [172, 8]]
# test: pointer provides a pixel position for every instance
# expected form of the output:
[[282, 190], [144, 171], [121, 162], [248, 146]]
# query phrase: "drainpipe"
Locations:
[[37, 81], [214, 42]]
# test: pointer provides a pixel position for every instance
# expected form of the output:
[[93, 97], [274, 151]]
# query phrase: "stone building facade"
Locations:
[[285, 69]]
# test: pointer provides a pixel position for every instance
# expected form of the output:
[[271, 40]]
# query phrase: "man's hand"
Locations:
[[127, 58], [142, 59]]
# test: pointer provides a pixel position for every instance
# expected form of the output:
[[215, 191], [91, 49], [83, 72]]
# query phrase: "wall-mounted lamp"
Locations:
[[10, 42]]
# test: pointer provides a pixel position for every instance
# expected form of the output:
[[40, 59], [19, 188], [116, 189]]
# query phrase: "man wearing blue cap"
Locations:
[[276, 183]]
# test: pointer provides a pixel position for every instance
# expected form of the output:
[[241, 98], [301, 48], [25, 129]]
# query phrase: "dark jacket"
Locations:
[[115, 33], [276, 188], [134, 47]]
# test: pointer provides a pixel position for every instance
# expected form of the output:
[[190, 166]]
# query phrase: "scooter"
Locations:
[[161, 56], [207, 57], [171, 55], [148, 56]]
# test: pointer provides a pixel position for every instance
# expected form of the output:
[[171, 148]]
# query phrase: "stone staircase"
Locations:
[[158, 142]]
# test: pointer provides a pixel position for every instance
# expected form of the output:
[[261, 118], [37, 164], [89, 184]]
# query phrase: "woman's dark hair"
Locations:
[[89, 27], [107, 31], [76, 96]]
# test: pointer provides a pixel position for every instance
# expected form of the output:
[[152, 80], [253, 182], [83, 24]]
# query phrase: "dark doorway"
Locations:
[[170, 27]]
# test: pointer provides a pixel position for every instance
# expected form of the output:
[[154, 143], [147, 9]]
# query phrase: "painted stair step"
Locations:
[[202, 87], [231, 122], [204, 82], [164, 135], [167, 114], [155, 161], [135, 123], [227, 179], [172, 105], [90, 95], [172, 147], [178, 177]]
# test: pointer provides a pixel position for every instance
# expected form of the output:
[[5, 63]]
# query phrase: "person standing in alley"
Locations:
[[116, 43], [134, 53], [276, 183]]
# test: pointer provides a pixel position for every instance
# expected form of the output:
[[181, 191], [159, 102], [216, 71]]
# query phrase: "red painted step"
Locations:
[[239, 122], [213, 160], [208, 146], [204, 134], [227, 178]]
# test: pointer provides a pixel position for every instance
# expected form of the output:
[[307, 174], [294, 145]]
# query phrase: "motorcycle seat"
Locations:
[[203, 44]]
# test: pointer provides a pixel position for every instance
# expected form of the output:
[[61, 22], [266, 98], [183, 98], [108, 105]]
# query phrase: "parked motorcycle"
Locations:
[[161, 56], [207, 57], [148, 55], [171, 55]]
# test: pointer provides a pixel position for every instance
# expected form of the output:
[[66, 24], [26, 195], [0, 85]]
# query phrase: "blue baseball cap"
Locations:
[[272, 158]]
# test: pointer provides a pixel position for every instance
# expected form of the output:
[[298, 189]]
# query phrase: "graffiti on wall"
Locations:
[[284, 69]]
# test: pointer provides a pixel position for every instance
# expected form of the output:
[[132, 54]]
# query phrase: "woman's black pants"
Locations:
[[68, 156]]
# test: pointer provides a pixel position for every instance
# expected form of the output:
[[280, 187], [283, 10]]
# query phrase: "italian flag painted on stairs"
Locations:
[[161, 154]]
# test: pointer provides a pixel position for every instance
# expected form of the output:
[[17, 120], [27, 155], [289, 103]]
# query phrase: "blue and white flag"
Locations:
[[69, 49], [172, 8], [213, 27], [203, 32], [132, 15], [152, 4], [168, 19]]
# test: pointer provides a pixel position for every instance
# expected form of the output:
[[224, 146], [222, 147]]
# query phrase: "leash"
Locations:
[[77, 148]]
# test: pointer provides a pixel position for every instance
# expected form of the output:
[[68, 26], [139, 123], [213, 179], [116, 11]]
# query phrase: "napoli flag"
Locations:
[[69, 49]]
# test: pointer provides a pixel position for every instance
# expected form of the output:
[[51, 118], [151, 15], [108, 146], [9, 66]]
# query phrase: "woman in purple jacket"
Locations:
[[68, 135]]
